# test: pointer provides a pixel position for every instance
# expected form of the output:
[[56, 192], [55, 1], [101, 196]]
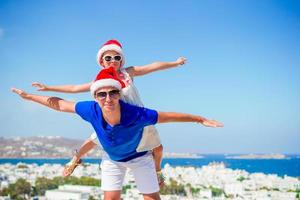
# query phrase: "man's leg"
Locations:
[[112, 177], [144, 173], [112, 195], [153, 196]]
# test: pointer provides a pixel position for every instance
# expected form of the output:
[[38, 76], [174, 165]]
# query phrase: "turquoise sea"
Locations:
[[281, 167]]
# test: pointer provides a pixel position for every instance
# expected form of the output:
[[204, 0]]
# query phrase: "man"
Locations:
[[119, 128]]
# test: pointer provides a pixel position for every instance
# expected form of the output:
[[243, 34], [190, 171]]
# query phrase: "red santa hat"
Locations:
[[106, 77], [110, 45]]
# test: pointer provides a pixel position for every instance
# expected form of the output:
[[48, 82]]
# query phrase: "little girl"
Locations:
[[111, 54]]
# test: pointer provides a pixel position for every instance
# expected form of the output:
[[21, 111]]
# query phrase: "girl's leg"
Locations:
[[157, 156], [75, 161], [87, 146]]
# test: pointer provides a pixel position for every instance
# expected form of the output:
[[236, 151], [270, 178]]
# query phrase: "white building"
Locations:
[[74, 192], [235, 189], [66, 195]]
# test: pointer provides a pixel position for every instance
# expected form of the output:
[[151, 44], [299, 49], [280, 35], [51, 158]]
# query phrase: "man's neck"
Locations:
[[112, 117]]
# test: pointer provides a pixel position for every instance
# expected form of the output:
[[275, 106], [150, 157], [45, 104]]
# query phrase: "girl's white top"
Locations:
[[130, 93]]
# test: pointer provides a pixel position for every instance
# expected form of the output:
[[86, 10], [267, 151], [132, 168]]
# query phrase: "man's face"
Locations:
[[111, 58], [108, 98]]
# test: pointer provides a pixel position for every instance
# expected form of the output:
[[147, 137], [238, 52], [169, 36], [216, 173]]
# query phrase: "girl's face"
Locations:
[[111, 58]]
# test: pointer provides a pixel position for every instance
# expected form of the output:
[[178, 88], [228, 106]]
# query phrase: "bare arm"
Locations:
[[51, 102], [156, 66], [87, 146], [63, 88], [165, 117]]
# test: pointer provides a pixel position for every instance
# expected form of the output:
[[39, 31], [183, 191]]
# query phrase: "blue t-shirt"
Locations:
[[119, 141]]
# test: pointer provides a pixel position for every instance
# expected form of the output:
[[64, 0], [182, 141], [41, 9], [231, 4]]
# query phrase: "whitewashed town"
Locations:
[[210, 182]]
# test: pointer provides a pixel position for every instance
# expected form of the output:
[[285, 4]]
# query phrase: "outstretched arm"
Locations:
[[164, 117], [63, 88], [51, 102], [156, 66]]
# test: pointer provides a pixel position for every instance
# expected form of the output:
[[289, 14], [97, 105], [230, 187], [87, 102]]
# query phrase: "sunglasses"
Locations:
[[112, 94], [115, 58]]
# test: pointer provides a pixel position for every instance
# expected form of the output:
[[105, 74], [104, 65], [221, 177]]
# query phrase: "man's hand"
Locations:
[[212, 123], [21, 93], [181, 61], [40, 86]]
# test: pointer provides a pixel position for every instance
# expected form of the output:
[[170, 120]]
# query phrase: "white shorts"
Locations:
[[142, 168]]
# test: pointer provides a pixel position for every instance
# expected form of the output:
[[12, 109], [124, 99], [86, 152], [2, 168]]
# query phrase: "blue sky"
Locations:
[[243, 67]]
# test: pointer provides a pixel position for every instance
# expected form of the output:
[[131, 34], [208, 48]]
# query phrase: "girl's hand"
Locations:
[[181, 61], [21, 93], [40, 86], [212, 123]]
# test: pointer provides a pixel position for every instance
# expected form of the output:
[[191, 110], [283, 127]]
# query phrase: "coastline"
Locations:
[[281, 167], [259, 156]]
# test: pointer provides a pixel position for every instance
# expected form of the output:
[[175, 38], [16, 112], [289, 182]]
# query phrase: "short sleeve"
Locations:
[[148, 116], [85, 109]]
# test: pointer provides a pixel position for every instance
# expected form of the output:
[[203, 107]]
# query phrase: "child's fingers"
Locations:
[[15, 90], [183, 60], [36, 84], [213, 123], [218, 124], [40, 86]]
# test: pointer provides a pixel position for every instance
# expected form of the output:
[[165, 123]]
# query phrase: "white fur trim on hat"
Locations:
[[104, 83], [110, 47]]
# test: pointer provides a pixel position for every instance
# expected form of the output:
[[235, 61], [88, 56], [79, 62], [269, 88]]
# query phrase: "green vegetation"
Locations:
[[22, 189], [216, 192], [264, 188], [84, 180], [42, 184], [22, 166], [194, 191], [298, 194], [173, 188], [4, 192], [91, 198], [296, 191], [125, 188], [241, 179], [229, 196]]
